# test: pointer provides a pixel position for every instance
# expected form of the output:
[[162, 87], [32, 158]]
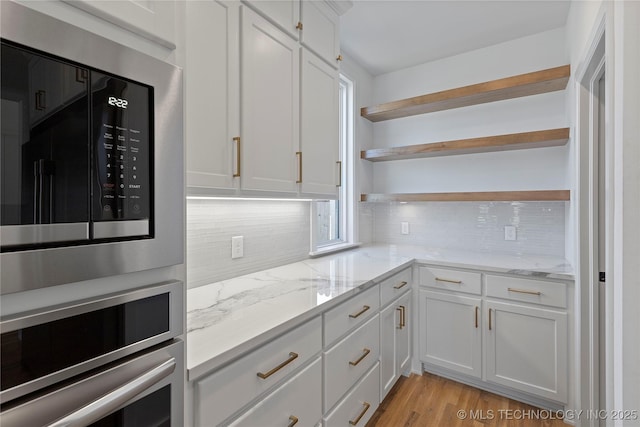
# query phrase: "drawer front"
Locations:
[[350, 314], [527, 290], [224, 392], [452, 280], [395, 286], [348, 360], [299, 399], [359, 405]]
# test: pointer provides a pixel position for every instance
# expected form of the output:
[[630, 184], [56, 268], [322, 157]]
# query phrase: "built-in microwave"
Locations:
[[77, 145], [91, 158]]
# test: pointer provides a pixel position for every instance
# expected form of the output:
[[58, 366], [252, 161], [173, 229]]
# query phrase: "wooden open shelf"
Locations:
[[534, 83], [490, 196], [513, 141]]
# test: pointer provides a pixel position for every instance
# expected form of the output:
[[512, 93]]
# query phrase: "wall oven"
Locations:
[[112, 361], [91, 155]]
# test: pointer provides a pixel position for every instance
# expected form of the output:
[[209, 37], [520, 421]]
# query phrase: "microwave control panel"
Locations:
[[122, 135]]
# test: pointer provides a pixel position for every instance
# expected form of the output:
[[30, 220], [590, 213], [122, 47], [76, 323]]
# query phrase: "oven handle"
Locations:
[[112, 401]]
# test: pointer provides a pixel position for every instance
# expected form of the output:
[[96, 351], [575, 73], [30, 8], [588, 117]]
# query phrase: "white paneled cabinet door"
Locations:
[[450, 332], [321, 30], [526, 349], [212, 111], [270, 76], [319, 120], [395, 342], [285, 13]]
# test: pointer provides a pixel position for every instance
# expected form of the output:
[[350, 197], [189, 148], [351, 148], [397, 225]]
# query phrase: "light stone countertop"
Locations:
[[230, 318]]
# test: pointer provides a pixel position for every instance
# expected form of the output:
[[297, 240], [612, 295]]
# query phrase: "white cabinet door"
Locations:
[[284, 13], [319, 126], [450, 332], [321, 30], [152, 19], [212, 110], [395, 343], [526, 349], [270, 76]]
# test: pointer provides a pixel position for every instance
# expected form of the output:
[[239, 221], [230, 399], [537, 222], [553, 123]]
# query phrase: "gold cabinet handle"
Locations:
[[339, 184], [400, 285], [440, 279], [490, 319], [477, 308], [403, 320], [524, 291], [364, 308], [365, 353], [236, 139], [400, 310], [339, 58], [299, 26], [364, 411], [294, 421], [292, 356], [299, 155]]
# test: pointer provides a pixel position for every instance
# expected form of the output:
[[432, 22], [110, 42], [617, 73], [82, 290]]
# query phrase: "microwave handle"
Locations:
[[99, 408]]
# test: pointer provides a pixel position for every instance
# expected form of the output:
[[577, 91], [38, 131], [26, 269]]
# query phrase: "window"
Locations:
[[331, 220]]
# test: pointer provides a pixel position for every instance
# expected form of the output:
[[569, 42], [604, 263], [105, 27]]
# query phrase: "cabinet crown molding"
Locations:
[[339, 6]]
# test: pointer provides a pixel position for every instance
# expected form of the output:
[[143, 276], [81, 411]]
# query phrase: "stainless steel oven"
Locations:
[[92, 155], [112, 361]]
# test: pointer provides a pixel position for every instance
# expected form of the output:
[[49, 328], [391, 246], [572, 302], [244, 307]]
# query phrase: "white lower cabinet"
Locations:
[[395, 342], [296, 402], [450, 332], [526, 349], [348, 360], [359, 404], [513, 335]]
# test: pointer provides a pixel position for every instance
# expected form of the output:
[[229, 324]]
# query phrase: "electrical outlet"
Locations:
[[237, 247], [404, 227], [509, 232]]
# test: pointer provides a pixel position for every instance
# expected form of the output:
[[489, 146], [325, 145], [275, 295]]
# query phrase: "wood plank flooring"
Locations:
[[430, 400]]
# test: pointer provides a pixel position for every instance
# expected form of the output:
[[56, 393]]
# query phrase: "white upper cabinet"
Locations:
[[319, 126], [285, 14], [270, 73], [320, 30], [151, 19], [212, 107]]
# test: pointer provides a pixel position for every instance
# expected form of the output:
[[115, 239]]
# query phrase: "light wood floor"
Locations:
[[430, 400]]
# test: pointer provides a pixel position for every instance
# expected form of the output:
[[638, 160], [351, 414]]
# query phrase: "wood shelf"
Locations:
[[513, 141], [490, 196], [534, 83]]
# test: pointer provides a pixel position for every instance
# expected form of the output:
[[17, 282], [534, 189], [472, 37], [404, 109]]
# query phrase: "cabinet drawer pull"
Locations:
[[490, 319], [292, 356], [41, 100], [365, 353], [440, 279], [236, 139], [400, 285], [364, 411], [294, 421], [524, 291], [403, 320], [299, 155], [477, 308], [364, 308]]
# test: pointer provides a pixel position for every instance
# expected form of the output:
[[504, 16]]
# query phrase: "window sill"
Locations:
[[332, 249]]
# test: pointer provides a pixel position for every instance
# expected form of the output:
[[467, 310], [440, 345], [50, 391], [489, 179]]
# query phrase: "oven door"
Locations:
[[144, 390]]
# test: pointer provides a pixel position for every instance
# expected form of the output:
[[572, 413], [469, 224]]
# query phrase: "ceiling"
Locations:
[[388, 35]]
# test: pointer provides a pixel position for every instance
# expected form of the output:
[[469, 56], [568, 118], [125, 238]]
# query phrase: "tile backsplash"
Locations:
[[475, 226], [275, 233]]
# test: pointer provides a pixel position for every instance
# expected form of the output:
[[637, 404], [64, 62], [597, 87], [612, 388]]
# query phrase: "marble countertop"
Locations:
[[229, 318]]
